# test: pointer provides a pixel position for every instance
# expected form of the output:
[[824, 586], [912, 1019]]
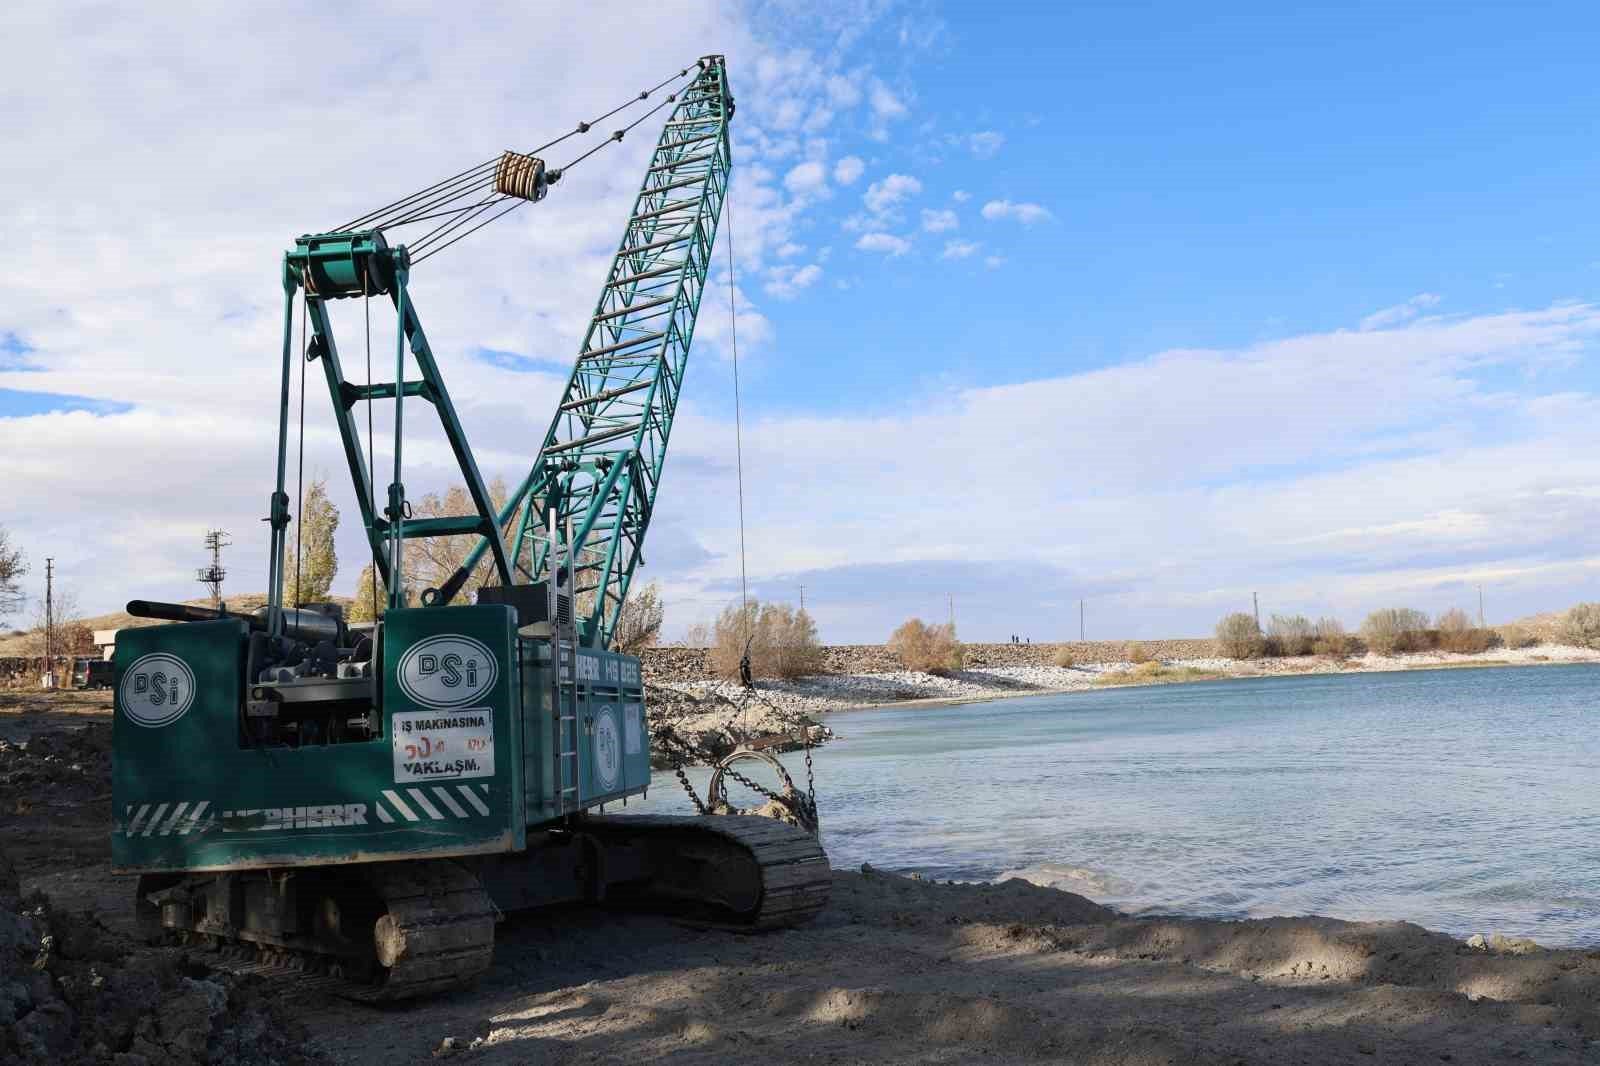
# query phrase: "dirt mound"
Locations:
[[55, 768], [72, 990]]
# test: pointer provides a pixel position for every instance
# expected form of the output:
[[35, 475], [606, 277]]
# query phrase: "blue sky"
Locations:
[[1154, 305], [1216, 175]]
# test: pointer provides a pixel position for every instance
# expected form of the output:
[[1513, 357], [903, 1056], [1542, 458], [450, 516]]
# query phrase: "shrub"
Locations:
[[1136, 653], [1239, 637], [1290, 634], [782, 641], [928, 649], [639, 623], [1064, 659], [1581, 626], [1458, 634], [1395, 629], [1328, 638], [1515, 636]]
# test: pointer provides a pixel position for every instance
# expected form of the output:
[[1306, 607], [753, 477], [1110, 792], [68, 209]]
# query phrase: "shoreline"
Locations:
[[700, 707]]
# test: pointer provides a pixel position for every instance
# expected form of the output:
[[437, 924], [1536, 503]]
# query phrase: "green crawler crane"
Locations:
[[361, 801]]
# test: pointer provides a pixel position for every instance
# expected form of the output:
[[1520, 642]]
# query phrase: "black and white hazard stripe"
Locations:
[[183, 819], [423, 803]]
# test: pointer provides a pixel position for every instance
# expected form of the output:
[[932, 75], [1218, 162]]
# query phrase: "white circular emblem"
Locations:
[[447, 671], [607, 747], [156, 690]]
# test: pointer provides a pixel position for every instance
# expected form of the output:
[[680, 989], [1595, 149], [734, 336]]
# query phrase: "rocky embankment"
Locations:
[[694, 712]]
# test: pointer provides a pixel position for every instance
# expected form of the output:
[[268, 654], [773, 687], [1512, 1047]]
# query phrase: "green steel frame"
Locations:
[[331, 266], [601, 462]]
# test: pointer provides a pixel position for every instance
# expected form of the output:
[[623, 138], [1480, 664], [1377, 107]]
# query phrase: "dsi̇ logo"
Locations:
[[447, 671], [156, 690], [607, 748]]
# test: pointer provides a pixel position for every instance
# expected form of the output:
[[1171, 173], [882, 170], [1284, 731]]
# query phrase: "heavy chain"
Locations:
[[806, 803], [694, 797]]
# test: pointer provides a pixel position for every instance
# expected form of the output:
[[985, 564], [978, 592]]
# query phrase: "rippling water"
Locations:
[[1464, 800]]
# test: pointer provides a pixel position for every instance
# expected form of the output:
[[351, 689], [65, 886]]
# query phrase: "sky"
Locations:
[[1148, 306]]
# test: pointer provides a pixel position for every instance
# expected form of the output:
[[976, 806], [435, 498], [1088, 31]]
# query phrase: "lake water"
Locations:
[[1464, 800]]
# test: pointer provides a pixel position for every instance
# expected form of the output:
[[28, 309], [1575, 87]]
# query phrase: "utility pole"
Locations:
[[1081, 637], [802, 597], [1255, 599], [952, 596], [1480, 606], [49, 622], [211, 576]]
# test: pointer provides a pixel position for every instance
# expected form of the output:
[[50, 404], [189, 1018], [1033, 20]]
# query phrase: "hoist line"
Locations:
[[425, 246], [481, 179], [300, 476], [738, 423], [372, 477], [403, 211], [404, 201], [457, 219]]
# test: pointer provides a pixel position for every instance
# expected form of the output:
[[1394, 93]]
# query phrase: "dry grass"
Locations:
[[1151, 673]]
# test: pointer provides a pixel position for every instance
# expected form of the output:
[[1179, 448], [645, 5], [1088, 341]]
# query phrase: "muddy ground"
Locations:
[[896, 970]]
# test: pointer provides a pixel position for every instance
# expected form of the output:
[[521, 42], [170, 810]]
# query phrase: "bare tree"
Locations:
[[430, 561], [928, 649], [1290, 634], [781, 641], [13, 566], [639, 624], [1581, 626], [1239, 637], [1395, 629]]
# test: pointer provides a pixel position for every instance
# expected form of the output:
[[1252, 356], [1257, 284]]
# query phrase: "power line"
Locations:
[[49, 622], [211, 576]]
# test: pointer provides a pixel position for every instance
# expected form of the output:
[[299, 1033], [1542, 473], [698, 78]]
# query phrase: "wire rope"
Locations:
[[372, 498], [738, 453], [437, 200], [300, 476]]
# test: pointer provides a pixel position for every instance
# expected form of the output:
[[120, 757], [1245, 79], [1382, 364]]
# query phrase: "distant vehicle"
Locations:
[[91, 673]]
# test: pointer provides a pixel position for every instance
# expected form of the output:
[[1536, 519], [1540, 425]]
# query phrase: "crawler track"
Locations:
[[733, 871], [392, 931]]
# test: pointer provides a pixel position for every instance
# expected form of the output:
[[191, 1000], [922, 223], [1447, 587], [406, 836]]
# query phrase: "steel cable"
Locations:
[[426, 202]]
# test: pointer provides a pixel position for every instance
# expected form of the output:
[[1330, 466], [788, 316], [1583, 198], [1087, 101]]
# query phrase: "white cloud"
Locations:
[[886, 108], [789, 249], [961, 196], [1025, 213], [939, 221], [885, 104], [986, 143], [808, 177], [848, 169], [1364, 504], [1400, 313], [994, 262], [785, 282], [887, 243], [882, 196], [189, 341], [959, 249], [843, 91]]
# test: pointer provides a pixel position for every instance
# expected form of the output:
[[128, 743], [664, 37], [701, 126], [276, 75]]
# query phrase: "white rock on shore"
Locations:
[[827, 693]]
